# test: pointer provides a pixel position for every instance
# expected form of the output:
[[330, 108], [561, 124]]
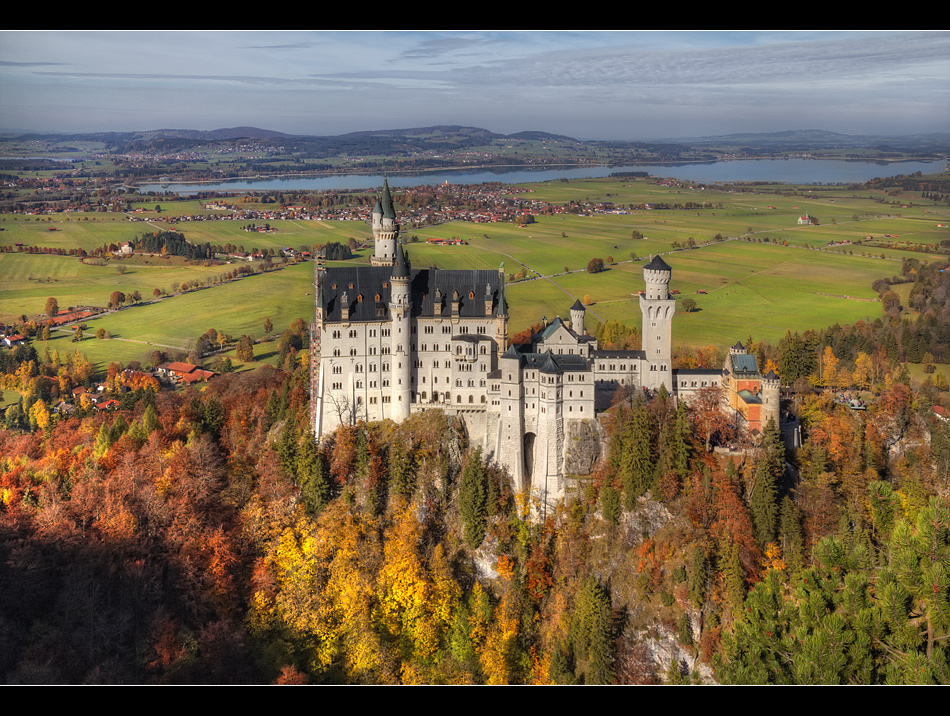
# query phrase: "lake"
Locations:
[[788, 171]]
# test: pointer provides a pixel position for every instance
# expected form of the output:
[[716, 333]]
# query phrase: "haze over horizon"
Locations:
[[641, 85]]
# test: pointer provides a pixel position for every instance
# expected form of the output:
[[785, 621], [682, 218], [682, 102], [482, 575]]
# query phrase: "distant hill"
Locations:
[[805, 139]]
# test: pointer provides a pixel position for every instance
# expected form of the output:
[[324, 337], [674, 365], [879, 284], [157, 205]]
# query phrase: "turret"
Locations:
[[658, 307], [385, 229], [577, 317], [400, 306], [771, 398]]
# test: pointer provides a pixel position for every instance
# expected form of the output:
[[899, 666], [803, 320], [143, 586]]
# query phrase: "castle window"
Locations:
[[336, 351], [352, 351], [337, 369], [359, 298]]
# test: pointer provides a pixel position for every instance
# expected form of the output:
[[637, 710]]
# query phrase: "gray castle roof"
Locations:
[[368, 291], [658, 264], [389, 211]]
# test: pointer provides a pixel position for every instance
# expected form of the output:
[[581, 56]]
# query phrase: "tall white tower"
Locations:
[[577, 317], [400, 307], [658, 307], [385, 229]]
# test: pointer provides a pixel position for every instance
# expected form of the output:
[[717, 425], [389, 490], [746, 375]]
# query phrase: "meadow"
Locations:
[[767, 275]]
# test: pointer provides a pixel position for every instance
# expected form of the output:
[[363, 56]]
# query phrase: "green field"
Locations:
[[752, 286]]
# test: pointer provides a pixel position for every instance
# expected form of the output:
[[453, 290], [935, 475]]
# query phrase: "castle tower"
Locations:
[[511, 438], [385, 229], [658, 307], [501, 322], [316, 331], [577, 317], [400, 354], [770, 398]]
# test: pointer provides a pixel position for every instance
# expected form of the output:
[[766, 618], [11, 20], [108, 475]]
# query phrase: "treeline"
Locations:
[[335, 251], [867, 350], [173, 244]]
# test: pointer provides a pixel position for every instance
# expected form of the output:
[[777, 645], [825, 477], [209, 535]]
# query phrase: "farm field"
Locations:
[[752, 286], [92, 231], [236, 308]]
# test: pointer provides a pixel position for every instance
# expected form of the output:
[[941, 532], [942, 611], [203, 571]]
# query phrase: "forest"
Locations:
[[202, 536]]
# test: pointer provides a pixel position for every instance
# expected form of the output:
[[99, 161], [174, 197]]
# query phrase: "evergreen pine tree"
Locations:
[[636, 461], [312, 477], [473, 500], [767, 483]]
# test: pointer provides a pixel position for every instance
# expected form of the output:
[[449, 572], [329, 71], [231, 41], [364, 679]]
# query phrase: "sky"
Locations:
[[628, 85]]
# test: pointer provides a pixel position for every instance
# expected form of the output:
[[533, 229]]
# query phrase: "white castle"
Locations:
[[389, 340]]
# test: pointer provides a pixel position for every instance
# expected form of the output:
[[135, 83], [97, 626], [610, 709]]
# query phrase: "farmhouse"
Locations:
[[389, 340]]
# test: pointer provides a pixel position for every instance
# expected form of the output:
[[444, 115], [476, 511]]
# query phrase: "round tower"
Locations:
[[771, 398], [400, 305], [657, 307], [385, 229], [577, 317]]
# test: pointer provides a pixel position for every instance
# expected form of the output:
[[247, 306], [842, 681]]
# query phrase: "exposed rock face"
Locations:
[[585, 442]]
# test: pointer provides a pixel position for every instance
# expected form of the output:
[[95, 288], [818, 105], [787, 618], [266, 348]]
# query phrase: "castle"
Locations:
[[388, 340]]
